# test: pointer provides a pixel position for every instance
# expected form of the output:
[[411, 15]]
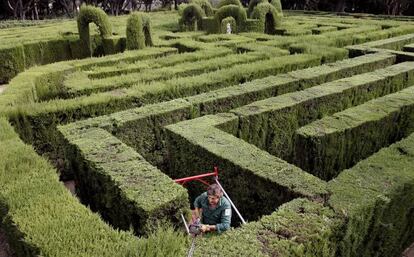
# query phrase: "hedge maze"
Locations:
[[310, 125]]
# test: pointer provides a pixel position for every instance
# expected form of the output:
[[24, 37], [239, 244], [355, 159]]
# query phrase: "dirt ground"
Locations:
[[5, 250], [409, 252]]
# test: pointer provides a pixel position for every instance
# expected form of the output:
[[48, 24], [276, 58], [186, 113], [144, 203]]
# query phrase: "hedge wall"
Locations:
[[41, 217], [300, 228], [237, 12], [88, 14], [327, 146], [196, 145], [147, 138], [191, 19], [223, 3], [369, 213], [271, 124], [205, 5], [119, 183], [376, 199]]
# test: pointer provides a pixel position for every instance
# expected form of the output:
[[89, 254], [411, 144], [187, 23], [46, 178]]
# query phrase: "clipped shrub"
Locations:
[[192, 17], [237, 12], [278, 5], [12, 63], [268, 16], [229, 2], [96, 15], [210, 25], [147, 29], [138, 32], [232, 23], [205, 5], [254, 3]]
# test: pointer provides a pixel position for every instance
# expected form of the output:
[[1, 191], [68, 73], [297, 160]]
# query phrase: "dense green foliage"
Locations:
[[138, 31], [88, 14], [267, 109], [229, 2], [205, 5], [192, 17]]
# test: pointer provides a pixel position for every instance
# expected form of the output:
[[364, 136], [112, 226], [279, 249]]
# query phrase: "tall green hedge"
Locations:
[[41, 217], [88, 14], [228, 20], [268, 16], [237, 12], [334, 143], [229, 2], [275, 3], [138, 31], [205, 5], [271, 124], [192, 17], [13, 62]]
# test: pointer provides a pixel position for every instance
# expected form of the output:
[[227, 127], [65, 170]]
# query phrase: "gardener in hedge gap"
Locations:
[[213, 210]]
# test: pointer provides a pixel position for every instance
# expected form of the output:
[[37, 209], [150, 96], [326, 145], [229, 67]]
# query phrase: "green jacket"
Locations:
[[219, 216]]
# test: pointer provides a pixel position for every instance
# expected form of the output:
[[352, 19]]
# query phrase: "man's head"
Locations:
[[214, 194]]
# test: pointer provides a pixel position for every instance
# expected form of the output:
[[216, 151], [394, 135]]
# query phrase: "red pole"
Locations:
[[182, 180]]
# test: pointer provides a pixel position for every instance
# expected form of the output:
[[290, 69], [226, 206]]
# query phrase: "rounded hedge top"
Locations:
[[229, 2], [134, 32], [88, 14], [237, 12], [253, 3], [260, 12], [190, 12], [205, 5]]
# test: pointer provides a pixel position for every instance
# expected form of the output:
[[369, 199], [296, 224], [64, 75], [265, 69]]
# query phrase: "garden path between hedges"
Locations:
[[2, 87]]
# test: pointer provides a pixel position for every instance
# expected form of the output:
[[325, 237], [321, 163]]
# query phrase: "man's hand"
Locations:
[[204, 228], [207, 228]]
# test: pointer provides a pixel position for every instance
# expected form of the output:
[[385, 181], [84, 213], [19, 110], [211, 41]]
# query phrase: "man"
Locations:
[[213, 209]]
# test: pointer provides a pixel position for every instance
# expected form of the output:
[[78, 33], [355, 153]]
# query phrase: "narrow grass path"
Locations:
[[2, 87]]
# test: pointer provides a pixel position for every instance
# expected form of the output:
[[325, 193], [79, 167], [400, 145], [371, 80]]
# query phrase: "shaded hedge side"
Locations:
[[119, 183], [271, 124], [41, 217], [88, 14], [334, 143]]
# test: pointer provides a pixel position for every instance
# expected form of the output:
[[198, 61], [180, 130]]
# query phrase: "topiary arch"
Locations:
[[138, 31], [237, 12], [229, 2], [192, 17], [253, 3], [88, 14], [231, 21], [147, 29], [269, 17], [205, 5]]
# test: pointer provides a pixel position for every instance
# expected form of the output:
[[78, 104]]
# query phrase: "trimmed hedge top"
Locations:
[[41, 217]]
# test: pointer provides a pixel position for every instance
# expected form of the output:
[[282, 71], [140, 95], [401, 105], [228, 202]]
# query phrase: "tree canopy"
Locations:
[[42, 9]]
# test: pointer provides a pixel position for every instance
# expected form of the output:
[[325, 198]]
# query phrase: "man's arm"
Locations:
[[224, 224], [197, 213], [197, 207], [225, 220]]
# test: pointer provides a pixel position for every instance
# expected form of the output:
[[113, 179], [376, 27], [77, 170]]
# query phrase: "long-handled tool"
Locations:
[[195, 228]]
